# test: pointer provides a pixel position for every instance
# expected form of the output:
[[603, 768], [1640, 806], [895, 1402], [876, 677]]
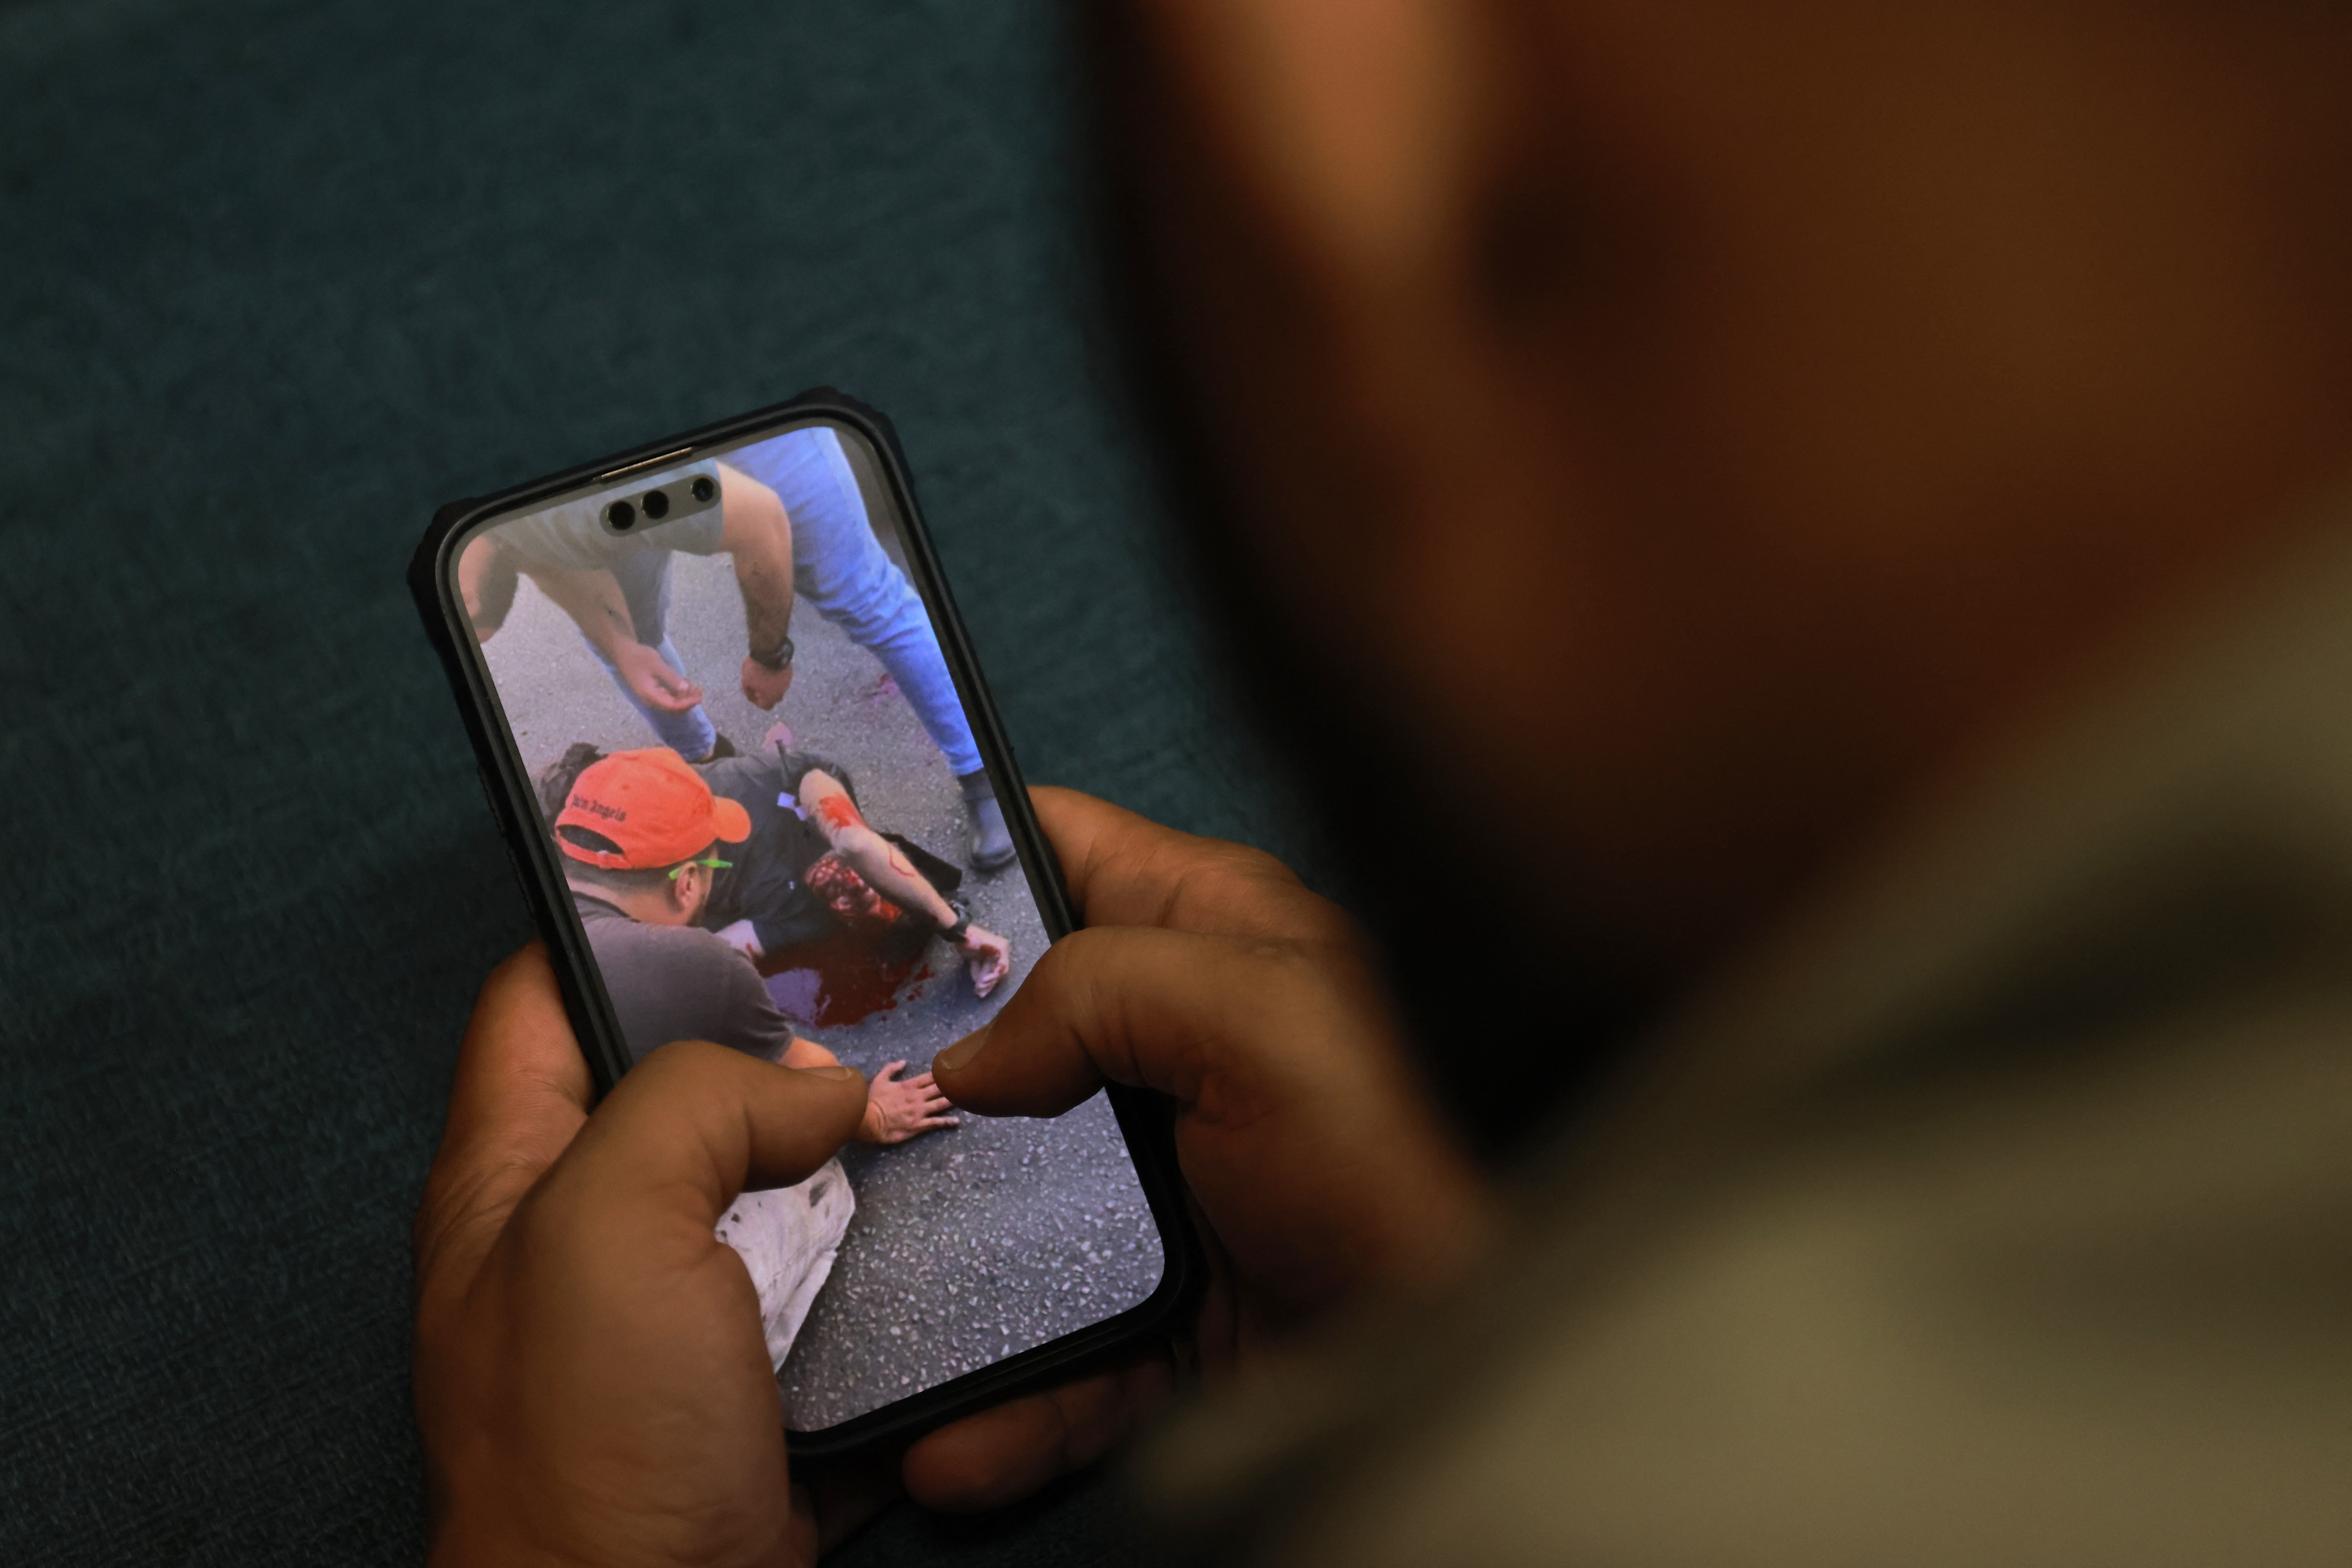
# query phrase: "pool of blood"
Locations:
[[850, 976]]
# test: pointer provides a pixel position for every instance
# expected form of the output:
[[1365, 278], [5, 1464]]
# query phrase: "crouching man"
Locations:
[[642, 834], [812, 866]]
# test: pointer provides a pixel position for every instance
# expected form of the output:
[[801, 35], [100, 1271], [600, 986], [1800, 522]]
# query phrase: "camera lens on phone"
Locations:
[[703, 488], [656, 503], [620, 514]]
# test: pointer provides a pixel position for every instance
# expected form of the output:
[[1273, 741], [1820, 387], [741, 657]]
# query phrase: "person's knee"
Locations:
[[882, 616], [802, 1055]]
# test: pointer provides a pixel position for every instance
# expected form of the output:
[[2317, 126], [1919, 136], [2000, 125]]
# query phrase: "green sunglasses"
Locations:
[[713, 861]]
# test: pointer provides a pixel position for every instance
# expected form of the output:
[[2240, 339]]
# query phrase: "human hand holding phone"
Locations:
[[591, 1385], [542, 1250], [689, 890], [1209, 973]]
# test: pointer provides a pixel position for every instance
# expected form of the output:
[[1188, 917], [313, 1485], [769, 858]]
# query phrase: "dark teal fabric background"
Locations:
[[275, 278]]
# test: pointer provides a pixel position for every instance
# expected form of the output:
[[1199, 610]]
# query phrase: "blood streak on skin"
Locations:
[[839, 811]]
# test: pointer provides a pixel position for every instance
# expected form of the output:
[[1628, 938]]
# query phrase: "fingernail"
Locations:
[[956, 1057]]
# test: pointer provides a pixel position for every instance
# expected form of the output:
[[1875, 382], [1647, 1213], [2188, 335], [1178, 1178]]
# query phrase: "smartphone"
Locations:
[[752, 785]]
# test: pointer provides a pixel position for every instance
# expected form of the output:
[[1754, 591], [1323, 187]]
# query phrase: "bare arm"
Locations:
[[486, 580], [883, 864], [987, 957], [759, 541], [896, 1107], [592, 599]]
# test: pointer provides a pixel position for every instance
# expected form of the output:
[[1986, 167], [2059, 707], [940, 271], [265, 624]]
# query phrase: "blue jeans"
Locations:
[[840, 570], [643, 577]]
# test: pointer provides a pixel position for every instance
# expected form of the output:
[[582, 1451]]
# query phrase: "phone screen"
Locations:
[[767, 801]]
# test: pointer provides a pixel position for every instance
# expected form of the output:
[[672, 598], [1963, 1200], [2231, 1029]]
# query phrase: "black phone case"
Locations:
[[1143, 1116]]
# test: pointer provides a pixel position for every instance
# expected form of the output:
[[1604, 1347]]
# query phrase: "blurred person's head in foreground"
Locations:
[[1704, 430]]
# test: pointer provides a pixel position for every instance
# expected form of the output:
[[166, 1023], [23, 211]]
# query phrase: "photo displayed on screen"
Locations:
[[780, 836]]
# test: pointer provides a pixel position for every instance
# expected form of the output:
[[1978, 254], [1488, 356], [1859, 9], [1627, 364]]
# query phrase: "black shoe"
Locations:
[[722, 747], [990, 845]]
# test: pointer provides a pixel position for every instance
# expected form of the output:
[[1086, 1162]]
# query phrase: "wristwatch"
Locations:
[[955, 933], [779, 659]]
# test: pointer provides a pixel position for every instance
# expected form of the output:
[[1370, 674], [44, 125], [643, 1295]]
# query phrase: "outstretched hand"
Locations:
[[655, 682], [591, 1375], [592, 1381], [897, 1109], [1208, 973]]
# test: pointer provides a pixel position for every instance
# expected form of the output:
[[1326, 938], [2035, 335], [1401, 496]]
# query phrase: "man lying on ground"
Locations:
[[812, 866], [641, 831]]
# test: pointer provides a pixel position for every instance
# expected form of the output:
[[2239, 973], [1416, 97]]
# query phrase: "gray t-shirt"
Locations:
[[573, 536], [680, 983]]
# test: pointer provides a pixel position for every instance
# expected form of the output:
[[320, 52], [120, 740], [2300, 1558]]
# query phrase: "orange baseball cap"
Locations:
[[654, 806]]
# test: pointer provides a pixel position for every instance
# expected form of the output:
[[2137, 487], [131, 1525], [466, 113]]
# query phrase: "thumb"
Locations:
[[694, 1124], [1154, 1009], [1299, 1126], [519, 1095]]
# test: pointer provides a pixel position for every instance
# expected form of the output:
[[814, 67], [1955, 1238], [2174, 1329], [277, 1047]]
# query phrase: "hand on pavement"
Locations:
[[1208, 973], [898, 1109], [765, 687], [654, 682], [591, 1378]]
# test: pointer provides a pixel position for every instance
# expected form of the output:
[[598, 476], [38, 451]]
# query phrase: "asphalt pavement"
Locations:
[[968, 1245]]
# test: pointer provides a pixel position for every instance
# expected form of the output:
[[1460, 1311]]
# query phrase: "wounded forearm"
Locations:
[[883, 864], [888, 872]]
